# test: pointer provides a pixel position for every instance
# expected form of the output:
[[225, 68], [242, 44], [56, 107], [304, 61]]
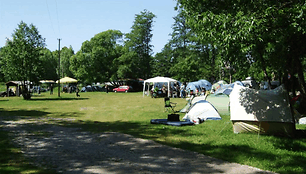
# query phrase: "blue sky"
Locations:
[[75, 21]]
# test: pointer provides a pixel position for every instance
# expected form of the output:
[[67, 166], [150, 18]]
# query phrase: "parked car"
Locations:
[[123, 89]]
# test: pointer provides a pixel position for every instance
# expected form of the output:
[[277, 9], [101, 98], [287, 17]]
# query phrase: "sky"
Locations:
[[75, 21]]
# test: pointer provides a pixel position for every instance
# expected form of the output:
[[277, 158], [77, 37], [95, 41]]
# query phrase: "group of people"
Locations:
[[176, 90]]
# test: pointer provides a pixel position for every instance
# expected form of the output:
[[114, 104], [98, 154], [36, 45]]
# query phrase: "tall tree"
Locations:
[[22, 53], [49, 66], [192, 59], [135, 62], [163, 62], [66, 54], [95, 61], [269, 33]]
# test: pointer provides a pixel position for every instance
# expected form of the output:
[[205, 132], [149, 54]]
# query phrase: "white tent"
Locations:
[[157, 80], [201, 111], [260, 111]]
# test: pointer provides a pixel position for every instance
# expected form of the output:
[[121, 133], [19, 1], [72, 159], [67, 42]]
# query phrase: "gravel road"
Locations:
[[71, 150]]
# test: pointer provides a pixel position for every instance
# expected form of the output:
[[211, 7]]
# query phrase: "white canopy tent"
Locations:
[[158, 79]]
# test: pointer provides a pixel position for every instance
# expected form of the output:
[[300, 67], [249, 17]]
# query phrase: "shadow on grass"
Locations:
[[18, 114], [116, 153], [228, 152], [11, 160], [54, 99], [22, 112]]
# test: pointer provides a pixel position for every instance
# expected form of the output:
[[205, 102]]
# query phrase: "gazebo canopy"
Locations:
[[160, 79], [157, 80], [67, 80]]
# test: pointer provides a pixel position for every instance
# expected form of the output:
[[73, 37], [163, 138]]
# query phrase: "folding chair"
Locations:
[[169, 105]]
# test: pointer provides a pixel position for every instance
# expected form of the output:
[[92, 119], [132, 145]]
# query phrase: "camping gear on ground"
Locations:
[[173, 117], [202, 111], [261, 111], [169, 105], [172, 123]]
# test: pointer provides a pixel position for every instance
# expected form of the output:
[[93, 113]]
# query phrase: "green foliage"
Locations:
[[186, 57], [21, 54], [163, 62], [49, 66], [66, 54], [136, 58], [95, 62], [270, 33]]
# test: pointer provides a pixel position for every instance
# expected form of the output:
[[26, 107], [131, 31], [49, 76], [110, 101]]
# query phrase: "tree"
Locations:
[[49, 66], [66, 54], [191, 58], [163, 62], [269, 35], [137, 56], [95, 62], [21, 55]]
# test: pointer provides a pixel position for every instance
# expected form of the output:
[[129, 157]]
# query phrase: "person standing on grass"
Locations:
[[51, 89], [106, 87], [77, 91]]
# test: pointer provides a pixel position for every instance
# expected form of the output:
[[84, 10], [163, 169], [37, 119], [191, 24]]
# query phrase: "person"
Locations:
[[164, 89], [51, 89], [38, 88], [106, 87], [183, 91], [203, 91], [77, 91], [178, 89]]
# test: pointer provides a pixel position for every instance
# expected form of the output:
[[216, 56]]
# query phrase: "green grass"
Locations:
[[131, 113]]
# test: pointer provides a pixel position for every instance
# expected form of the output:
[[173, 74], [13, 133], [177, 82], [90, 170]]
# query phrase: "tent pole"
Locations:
[[259, 131]]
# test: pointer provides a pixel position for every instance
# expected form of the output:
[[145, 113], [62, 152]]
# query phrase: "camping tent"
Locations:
[[202, 111], [198, 85], [217, 85], [220, 102], [158, 79], [227, 88], [260, 111]]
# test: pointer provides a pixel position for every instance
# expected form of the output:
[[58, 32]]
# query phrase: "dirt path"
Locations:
[[70, 150]]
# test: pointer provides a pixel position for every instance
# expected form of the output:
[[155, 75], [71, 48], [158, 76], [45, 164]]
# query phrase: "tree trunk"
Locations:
[[25, 92]]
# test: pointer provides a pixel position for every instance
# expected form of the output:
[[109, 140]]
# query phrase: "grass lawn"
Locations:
[[131, 113]]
